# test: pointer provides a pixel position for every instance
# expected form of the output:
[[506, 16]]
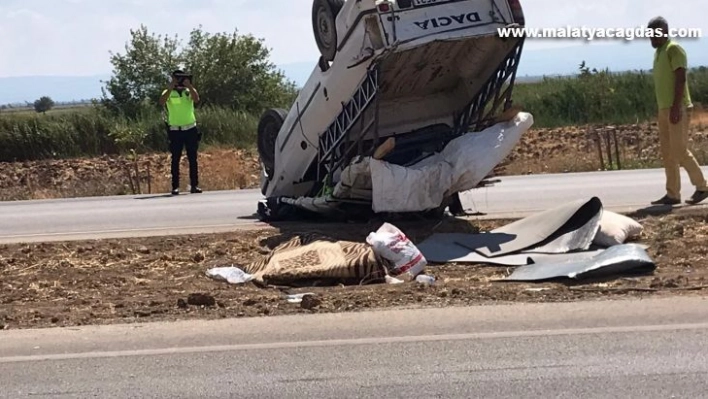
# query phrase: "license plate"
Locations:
[[419, 3]]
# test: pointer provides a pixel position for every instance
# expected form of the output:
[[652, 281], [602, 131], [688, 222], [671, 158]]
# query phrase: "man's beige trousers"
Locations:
[[673, 139]]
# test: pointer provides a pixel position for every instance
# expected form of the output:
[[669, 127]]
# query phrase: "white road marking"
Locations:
[[358, 341]]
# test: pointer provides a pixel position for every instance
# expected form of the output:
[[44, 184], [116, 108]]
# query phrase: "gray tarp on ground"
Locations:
[[558, 230], [561, 231], [449, 248], [614, 260]]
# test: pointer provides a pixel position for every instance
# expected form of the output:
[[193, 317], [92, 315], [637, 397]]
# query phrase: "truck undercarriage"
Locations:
[[423, 97]]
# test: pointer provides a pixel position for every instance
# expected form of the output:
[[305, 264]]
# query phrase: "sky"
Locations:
[[74, 37]]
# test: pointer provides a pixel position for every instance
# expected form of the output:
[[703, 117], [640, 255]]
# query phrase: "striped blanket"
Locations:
[[309, 257]]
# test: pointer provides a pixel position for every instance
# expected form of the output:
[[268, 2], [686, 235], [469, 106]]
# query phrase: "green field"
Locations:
[[60, 109], [599, 97], [88, 131]]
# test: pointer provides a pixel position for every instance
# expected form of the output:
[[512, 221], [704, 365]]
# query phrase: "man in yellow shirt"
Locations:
[[180, 98], [674, 103]]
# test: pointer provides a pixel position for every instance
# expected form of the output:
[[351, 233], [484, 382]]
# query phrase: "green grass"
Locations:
[[89, 131], [63, 109], [599, 98]]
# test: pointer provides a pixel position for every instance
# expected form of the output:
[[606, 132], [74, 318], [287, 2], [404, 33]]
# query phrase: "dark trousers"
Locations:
[[181, 139]]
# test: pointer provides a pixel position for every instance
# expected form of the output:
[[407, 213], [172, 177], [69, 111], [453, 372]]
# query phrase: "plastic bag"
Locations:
[[390, 243], [232, 275]]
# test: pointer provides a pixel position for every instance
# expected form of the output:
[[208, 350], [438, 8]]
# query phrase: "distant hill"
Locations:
[[534, 64], [18, 90]]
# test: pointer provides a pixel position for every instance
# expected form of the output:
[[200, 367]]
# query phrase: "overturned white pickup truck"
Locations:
[[401, 112]]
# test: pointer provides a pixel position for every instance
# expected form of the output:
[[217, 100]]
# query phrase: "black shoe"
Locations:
[[195, 190], [697, 197], [666, 200], [175, 191]]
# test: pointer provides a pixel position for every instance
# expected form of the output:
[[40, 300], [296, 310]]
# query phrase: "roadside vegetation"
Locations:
[[599, 97], [44, 152]]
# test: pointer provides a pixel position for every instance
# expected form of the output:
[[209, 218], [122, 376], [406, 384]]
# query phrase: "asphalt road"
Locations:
[[125, 216], [626, 349], [621, 191]]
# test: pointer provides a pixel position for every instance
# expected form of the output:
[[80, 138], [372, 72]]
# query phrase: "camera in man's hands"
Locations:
[[182, 77]]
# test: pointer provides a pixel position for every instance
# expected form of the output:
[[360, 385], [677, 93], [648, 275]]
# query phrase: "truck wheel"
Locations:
[[324, 14], [268, 128]]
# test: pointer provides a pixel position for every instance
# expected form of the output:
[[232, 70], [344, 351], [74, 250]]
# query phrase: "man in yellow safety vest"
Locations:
[[179, 98]]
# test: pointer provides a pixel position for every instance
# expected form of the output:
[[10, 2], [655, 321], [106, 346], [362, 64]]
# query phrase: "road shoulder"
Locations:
[[474, 322]]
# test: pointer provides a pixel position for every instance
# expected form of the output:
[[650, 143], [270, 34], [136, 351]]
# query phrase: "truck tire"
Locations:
[[324, 14], [268, 128]]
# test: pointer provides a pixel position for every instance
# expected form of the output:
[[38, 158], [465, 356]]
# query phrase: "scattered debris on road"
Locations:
[[109, 281], [387, 255], [559, 238], [616, 260], [309, 257], [566, 241], [567, 228]]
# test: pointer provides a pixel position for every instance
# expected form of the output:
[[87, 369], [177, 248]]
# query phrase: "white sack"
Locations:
[[461, 166]]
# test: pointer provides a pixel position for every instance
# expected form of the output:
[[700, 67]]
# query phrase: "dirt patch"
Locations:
[[162, 278], [575, 149], [221, 169]]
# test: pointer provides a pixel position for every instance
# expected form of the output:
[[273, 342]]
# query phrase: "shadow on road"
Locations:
[[415, 230], [654, 210], [156, 196], [254, 216], [659, 210]]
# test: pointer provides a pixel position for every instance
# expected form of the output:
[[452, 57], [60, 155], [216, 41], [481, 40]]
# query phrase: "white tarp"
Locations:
[[409, 189], [462, 164], [355, 181]]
